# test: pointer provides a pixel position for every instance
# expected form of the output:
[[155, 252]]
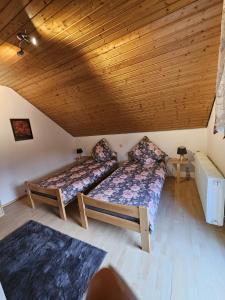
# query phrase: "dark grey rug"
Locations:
[[37, 262]]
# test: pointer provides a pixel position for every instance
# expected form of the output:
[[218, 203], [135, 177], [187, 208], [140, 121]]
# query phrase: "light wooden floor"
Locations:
[[187, 259]]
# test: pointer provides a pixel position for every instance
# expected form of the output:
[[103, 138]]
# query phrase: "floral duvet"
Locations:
[[134, 184], [79, 178]]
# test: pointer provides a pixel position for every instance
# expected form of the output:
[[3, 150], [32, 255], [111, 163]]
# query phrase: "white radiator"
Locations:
[[211, 188]]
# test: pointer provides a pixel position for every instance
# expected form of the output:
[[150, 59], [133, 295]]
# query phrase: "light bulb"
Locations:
[[33, 41]]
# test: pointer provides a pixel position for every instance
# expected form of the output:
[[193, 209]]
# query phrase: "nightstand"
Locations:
[[178, 163]]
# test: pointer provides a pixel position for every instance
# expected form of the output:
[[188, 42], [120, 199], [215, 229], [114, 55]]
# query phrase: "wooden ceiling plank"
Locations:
[[22, 18], [114, 37], [152, 79], [40, 48], [78, 48], [153, 43], [10, 11], [118, 96], [150, 64], [3, 5], [147, 67], [148, 104], [200, 7], [73, 91], [44, 15], [169, 52]]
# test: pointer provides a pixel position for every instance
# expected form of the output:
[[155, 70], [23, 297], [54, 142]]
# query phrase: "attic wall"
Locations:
[[216, 142], [50, 148], [193, 139], [106, 67]]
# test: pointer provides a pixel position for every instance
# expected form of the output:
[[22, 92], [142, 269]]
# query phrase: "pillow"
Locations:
[[146, 152], [103, 152]]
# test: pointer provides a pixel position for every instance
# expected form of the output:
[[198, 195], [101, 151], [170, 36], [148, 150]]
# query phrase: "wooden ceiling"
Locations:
[[104, 66]]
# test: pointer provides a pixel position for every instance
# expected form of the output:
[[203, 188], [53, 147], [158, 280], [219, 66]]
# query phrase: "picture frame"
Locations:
[[21, 129]]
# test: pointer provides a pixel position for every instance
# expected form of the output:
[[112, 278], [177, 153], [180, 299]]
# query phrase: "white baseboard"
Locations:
[[12, 201]]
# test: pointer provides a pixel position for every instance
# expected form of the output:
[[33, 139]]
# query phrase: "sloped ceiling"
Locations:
[[104, 66]]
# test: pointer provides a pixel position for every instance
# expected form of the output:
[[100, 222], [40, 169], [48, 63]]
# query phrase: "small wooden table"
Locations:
[[178, 163]]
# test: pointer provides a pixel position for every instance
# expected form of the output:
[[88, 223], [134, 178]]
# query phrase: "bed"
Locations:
[[61, 188], [128, 198]]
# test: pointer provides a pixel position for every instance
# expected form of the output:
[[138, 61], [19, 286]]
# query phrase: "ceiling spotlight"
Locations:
[[33, 41], [24, 39], [21, 52]]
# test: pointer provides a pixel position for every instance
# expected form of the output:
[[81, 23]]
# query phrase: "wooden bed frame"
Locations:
[[54, 196], [138, 212]]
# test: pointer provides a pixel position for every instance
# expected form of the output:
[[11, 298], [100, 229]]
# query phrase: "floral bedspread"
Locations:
[[134, 184], [79, 178]]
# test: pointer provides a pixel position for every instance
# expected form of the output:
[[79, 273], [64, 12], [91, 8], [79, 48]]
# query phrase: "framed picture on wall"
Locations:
[[21, 129]]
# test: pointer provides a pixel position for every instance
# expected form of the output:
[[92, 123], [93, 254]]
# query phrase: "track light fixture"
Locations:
[[21, 52], [24, 39]]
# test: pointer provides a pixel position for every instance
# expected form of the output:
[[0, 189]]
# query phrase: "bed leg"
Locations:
[[144, 229], [83, 216], [29, 195], [62, 211]]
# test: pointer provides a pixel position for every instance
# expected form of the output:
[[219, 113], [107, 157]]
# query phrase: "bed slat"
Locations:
[[131, 211], [51, 202], [139, 212], [112, 220], [39, 189]]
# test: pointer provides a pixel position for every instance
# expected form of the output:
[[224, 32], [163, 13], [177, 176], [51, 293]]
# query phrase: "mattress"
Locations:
[[79, 178], [134, 184]]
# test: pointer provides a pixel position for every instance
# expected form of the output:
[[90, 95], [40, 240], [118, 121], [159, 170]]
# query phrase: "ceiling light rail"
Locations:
[[24, 39]]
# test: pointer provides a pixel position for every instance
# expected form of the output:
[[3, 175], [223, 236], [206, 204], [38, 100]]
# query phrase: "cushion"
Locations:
[[103, 152], [146, 152]]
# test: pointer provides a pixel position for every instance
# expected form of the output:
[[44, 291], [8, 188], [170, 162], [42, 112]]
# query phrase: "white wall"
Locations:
[[51, 148], [216, 145], [193, 139]]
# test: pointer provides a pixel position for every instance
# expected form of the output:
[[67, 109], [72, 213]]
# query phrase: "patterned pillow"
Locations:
[[146, 152], [103, 152]]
